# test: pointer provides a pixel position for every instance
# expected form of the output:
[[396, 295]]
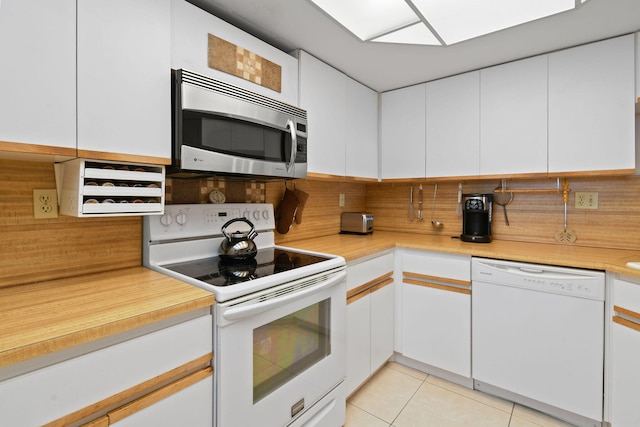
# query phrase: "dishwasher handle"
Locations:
[[531, 270]]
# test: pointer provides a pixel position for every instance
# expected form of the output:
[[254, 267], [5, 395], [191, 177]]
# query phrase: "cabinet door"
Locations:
[[124, 79], [323, 93], [190, 27], [513, 117], [436, 310], [362, 131], [63, 388], [358, 341], [625, 347], [592, 107], [402, 134], [453, 126], [382, 325], [437, 328], [38, 76]]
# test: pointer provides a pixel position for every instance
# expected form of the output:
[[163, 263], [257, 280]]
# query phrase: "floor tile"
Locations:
[[496, 402], [356, 417], [436, 406], [407, 370], [386, 393], [535, 418]]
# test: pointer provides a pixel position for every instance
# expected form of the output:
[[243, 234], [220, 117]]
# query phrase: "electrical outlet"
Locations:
[[342, 200], [586, 200], [45, 203]]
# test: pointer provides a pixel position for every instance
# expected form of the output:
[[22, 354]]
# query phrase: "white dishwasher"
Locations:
[[538, 337]]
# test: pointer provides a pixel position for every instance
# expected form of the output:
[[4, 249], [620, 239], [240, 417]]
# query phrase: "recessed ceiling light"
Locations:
[[460, 20], [435, 22], [415, 34], [368, 19]]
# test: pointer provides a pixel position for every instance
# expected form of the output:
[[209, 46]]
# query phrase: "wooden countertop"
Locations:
[[352, 247], [46, 317]]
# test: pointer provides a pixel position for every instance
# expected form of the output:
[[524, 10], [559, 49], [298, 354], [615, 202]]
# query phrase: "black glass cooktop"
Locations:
[[218, 272]]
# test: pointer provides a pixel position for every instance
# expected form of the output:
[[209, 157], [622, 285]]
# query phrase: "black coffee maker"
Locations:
[[476, 218]]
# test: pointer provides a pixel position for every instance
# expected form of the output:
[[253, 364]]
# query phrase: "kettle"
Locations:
[[238, 246]]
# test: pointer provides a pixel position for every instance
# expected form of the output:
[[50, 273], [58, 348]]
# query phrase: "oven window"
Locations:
[[235, 137], [288, 346]]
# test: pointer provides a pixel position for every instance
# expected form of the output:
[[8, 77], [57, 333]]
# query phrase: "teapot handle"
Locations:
[[252, 233]]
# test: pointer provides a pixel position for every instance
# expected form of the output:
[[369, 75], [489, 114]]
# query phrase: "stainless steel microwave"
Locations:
[[222, 129]]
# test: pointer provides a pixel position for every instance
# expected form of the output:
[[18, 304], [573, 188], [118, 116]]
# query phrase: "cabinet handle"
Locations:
[[157, 395], [363, 293], [435, 282], [370, 284], [102, 406], [437, 279], [626, 317]]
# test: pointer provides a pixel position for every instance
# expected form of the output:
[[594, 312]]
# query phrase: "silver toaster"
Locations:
[[356, 223]]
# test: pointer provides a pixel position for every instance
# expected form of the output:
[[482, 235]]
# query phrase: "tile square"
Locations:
[[386, 393], [436, 406], [356, 417]]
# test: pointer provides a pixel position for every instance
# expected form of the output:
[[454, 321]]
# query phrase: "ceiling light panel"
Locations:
[[414, 34], [459, 20], [368, 19]]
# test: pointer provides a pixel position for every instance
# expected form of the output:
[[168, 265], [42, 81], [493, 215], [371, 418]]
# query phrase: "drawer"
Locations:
[[437, 264], [626, 293], [365, 271], [65, 387]]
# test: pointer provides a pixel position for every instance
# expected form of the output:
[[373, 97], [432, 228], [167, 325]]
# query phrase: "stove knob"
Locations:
[[265, 214], [181, 218], [166, 219], [247, 214], [256, 215]]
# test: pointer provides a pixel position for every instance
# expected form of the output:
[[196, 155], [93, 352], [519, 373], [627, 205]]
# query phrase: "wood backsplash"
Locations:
[[534, 217], [33, 250], [321, 214]]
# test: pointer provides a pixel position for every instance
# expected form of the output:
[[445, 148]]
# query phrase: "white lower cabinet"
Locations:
[[624, 351], [190, 406], [436, 310], [161, 378], [370, 318]]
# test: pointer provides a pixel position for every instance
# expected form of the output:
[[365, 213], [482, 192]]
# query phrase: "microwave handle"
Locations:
[[294, 145]]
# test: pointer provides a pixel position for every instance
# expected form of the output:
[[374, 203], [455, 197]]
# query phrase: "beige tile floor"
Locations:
[[398, 396]]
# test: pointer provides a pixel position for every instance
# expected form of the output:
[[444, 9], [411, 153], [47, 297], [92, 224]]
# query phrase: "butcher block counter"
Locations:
[[42, 318], [352, 247]]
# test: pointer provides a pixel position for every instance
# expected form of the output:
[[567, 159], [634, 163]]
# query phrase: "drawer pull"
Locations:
[[458, 289], [437, 279], [370, 284], [626, 317]]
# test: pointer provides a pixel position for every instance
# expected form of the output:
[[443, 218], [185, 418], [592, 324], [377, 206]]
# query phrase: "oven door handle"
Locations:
[[253, 309]]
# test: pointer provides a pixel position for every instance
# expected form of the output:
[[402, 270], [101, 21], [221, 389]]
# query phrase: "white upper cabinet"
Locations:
[[513, 117], [323, 93], [453, 126], [38, 73], [592, 107], [343, 121], [190, 27], [124, 79], [362, 131], [402, 138]]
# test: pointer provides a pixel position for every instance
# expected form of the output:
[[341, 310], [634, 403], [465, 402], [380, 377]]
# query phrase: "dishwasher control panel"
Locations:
[[539, 277]]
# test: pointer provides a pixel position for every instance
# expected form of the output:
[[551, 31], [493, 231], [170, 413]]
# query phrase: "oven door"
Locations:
[[280, 351]]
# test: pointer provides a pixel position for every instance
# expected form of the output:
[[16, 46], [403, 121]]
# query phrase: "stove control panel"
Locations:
[[201, 220]]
